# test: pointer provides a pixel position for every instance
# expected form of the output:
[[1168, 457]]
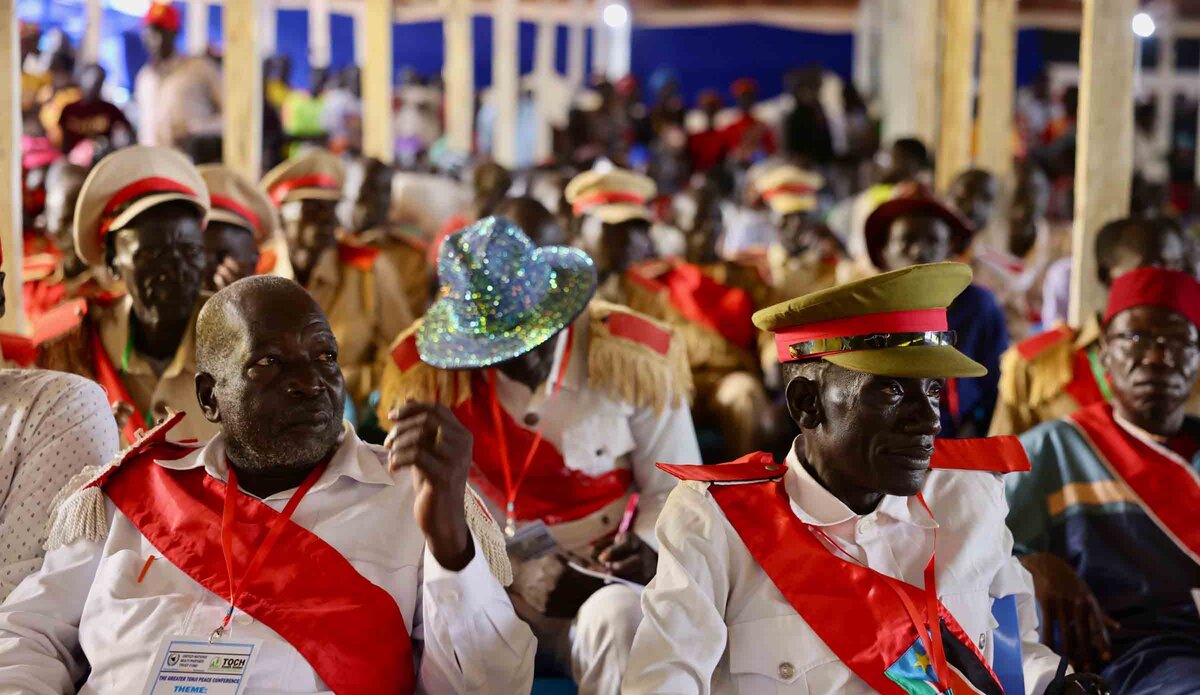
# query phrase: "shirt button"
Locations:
[[786, 671], [531, 419]]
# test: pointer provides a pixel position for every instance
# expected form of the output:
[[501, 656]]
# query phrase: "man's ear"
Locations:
[[206, 394], [803, 396]]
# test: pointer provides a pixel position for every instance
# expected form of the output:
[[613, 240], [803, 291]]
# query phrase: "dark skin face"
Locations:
[[309, 226], [491, 183], [866, 436], [1151, 355], [367, 195], [276, 389], [623, 245], [230, 254], [62, 191], [916, 240], [160, 43], [532, 368], [974, 195], [160, 256], [800, 232], [91, 82]]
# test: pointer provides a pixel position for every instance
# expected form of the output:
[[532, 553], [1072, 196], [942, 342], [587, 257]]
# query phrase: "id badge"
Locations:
[[532, 541], [191, 665]]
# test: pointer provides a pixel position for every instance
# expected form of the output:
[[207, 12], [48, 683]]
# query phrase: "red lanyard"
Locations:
[[511, 486], [228, 517], [929, 629]]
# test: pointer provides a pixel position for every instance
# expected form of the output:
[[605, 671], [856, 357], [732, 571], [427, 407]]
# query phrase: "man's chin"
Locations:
[[906, 483]]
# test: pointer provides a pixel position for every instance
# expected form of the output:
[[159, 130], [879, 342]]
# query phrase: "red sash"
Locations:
[[1083, 388], [348, 629], [551, 491], [1166, 485], [108, 378], [704, 301], [852, 608]]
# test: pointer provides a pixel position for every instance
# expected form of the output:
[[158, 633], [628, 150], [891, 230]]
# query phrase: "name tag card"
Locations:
[[191, 665]]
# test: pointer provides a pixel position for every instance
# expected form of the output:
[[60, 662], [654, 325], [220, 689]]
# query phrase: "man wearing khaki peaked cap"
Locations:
[[359, 287], [819, 574], [241, 221], [140, 216]]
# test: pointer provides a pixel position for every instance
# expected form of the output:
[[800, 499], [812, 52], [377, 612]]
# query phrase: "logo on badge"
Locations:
[[173, 660]]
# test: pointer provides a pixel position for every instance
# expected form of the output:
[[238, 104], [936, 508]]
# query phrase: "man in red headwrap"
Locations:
[[178, 97], [1106, 519]]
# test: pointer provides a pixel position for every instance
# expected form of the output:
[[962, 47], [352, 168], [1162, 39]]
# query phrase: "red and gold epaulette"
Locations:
[[639, 329], [361, 257], [1033, 347], [1003, 454], [751, 468], [635, 359], [48, 326], [405, 377]]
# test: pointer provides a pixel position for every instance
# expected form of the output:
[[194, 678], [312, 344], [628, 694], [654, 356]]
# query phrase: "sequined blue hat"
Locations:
[[501, 296]]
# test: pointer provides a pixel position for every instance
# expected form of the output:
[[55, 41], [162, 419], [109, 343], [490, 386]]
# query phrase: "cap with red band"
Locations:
[[1170, 289], [127, 183], [613, 196], [788, 189], [162, 15], [238, 202], [892, 324], [314, 175]]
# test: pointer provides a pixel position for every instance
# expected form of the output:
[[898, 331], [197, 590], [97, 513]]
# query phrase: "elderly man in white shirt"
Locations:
[[286, 549], [819, 576]]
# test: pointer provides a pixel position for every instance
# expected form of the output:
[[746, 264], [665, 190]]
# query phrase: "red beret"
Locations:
[[162, 15], [1170, 289]]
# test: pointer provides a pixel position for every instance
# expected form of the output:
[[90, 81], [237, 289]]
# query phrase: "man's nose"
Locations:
[[1157, 355], [304, 382], [925, 416]]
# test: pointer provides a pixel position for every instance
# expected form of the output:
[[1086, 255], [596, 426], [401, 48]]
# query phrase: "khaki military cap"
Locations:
[[892, 324], [613, 196], [314, 175], [238, 202], [788, 188], [127, 183]]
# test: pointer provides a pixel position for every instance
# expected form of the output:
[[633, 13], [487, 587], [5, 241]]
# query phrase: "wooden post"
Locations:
[[1165, 94], [378, 121], [576, 48], [243, 95], [997, 87], [13, 321], [319, 39], [601, 40], [866, 46], [546, 81], [89, 47], [197, 26], [908, 69], [1104, 150], [459, 75], [505, 81], [958, 70]]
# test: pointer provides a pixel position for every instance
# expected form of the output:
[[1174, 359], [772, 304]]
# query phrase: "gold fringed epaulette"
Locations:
[[406, 377], [1035, 371], [633, 358]]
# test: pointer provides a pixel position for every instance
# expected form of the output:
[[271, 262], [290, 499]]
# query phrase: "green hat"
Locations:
[[892, 324]]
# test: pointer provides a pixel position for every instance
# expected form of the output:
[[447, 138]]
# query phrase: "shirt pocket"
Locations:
[[593, 443], [777, 655], [973, 611]]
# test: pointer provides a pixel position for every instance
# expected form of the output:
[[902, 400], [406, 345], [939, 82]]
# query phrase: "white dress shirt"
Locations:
[[51, 425], [715, 623], [87, 606]]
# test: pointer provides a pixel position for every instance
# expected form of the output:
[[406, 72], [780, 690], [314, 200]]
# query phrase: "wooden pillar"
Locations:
[[13, 321], [576, 43], [958, 71], [358, 16], [866, 47], [243, 95], [458, 73], [908, 69], [601, 40], [319, 38], [89, 47], [505, 81], [1104, 150], [997, 86], [546, 85], [197, 26], [1165, 94], [378, 121]]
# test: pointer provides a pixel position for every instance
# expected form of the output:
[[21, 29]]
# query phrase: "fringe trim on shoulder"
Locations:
[[1039, 381], [77, 512], [420, 382], [633, 372], [489, 537]]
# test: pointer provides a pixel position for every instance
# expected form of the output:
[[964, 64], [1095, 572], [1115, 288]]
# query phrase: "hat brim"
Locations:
[[445, 345], [311, 194], [879, 223], [144, 203], [787, 204], [926, 361], [219, 215], [617, 213]]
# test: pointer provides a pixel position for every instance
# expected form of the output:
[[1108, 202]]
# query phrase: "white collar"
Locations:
[[816, 506], [353, 459]]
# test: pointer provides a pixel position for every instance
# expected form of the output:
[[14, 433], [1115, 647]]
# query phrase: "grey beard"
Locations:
[[253, 449]]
